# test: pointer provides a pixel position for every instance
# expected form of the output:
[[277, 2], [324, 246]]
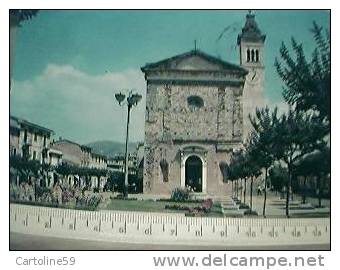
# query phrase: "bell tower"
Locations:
[[251, 45]]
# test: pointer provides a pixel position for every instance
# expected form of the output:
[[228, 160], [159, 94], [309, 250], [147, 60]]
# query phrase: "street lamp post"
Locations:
[[131, 100]]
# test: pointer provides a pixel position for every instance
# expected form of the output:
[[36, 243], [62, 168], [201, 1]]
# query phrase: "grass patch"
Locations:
[[55, 205], [156, 206], [310, 215], [144, 205]]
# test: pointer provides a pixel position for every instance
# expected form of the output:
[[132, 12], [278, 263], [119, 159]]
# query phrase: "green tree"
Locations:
[[263, 141], [305, 168], [278, 176], [253, 170], [297, 135], [308, 83], [28, 169], [17, 16], [238, 172], [234, 174], [317, 164]]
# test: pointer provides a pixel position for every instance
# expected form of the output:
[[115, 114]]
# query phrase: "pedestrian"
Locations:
[[259, 191]]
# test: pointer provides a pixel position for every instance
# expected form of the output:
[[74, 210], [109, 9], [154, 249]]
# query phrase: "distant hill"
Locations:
[[111, 148]]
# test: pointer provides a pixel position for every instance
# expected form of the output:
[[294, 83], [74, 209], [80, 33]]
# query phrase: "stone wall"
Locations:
[[193, 101], [171, 125]]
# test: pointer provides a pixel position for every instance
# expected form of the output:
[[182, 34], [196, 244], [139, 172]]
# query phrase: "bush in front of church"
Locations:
[[180, 194]]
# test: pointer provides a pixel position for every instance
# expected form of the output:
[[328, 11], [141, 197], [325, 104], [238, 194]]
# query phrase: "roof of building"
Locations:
[[72, 142], [251, 32], [13, 123], [17, 122], [169, 63], [83, 147]]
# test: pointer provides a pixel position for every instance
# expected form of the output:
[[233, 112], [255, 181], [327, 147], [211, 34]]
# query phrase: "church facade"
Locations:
[[194, 116]]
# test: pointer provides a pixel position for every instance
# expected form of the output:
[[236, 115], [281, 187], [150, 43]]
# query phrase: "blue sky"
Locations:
[[68, 64]]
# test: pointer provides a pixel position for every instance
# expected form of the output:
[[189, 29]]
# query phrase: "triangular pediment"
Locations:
[[193, 60]]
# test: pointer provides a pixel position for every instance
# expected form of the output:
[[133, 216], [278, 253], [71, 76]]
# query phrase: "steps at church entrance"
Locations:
[[229, 208]]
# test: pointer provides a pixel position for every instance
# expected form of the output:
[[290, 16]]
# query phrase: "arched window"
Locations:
[[252, 55], [195, 102], [257, 55], [248, 55]]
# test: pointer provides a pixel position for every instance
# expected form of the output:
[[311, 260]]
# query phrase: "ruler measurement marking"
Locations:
[[292, 229]]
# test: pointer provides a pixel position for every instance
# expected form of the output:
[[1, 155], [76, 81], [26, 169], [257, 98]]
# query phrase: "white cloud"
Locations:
[[282, 106], [81, 106], [78, 105]]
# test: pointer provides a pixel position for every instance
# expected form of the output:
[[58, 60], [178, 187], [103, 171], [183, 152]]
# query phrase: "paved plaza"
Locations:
[[33, 242], [275, 207]]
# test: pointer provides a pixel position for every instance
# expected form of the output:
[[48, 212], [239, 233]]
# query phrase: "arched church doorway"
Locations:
[[193, 173]]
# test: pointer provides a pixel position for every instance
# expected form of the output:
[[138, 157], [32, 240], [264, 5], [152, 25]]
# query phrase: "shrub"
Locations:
[[244, 206], [40, 191], [89, 202], [180, 194], [66, 196], [207, 205], [250, 213], [190, 200], [177, 207]]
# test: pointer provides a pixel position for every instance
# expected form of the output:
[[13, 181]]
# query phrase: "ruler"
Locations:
[[167, 228]]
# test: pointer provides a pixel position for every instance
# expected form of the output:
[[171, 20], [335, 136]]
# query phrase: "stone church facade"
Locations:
[[194, 118]]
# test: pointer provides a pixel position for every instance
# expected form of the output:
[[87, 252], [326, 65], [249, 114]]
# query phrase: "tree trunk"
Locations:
[[304, 190], [232, 188], [289, 187], [319, 189], [236, 186], [35, 189], [245, 190], [251, 193], [265, 194]]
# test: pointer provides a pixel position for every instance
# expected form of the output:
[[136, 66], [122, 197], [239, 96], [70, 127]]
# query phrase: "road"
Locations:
[[32, 242]]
